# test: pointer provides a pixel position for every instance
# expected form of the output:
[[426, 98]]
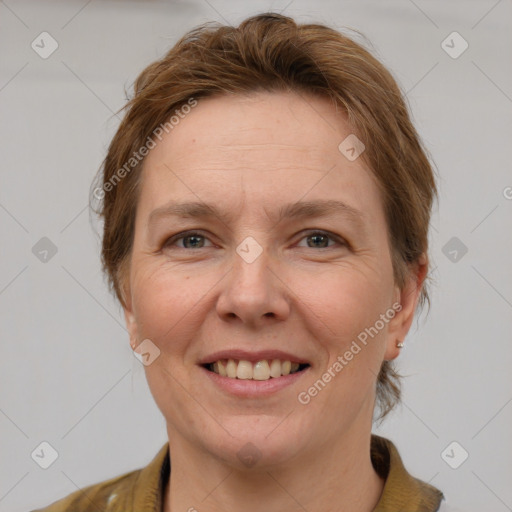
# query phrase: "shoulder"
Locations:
[[141, 489], [95, 497]]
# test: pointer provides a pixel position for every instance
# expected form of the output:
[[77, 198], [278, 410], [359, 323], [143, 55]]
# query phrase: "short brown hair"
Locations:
[[273, 53]]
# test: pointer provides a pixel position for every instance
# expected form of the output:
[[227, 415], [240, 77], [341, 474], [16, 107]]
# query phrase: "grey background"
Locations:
[[67, 374]]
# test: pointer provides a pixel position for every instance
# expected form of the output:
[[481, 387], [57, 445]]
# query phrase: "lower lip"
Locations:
[[253, 388]]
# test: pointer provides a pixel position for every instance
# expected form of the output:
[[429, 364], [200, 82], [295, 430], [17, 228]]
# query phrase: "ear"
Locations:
[[129, 314], [132, 326], [408, 298]]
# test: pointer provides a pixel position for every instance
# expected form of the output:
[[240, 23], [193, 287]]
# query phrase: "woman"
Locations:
[[266, 203]]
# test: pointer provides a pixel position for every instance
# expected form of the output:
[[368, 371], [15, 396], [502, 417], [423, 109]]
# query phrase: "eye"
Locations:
[[320, 239], [196, 240], [191, 240]]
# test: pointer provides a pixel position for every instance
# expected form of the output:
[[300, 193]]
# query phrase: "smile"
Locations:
[[260, 370]]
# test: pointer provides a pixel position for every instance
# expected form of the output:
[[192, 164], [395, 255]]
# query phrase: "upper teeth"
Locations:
[[262, 370]]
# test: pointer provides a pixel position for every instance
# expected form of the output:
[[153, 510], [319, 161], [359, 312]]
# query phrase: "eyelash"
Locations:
[[307, 234]]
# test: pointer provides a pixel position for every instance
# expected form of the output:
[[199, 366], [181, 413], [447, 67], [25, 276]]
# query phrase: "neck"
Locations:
[[335, 478]]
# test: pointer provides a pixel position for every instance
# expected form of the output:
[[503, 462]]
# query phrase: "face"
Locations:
[[288, 263]]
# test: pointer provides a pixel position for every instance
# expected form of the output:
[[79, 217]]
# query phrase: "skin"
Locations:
[[249, 155]]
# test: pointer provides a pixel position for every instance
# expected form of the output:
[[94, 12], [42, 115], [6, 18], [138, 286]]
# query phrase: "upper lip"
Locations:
[[253, 357]]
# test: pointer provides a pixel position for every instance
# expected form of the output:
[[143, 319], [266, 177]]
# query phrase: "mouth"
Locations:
[[261, 370]]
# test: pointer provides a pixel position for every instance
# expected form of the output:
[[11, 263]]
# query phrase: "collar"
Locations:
[[401, 490]]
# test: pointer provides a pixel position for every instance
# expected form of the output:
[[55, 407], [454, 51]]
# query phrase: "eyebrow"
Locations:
[[298, 210]]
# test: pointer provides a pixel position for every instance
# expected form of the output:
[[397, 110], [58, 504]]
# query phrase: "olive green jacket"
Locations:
[[142, 490]]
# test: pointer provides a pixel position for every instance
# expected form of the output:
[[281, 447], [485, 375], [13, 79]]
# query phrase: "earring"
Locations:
[[400, 344]]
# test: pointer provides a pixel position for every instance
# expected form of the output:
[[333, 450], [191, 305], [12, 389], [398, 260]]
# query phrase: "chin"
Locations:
[[256, 443]]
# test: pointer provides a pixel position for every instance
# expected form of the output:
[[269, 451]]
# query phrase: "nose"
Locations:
[[253, 294]]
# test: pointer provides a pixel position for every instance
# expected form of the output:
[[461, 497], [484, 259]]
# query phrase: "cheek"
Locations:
[[349, 302], [348, 299], [164, 304]]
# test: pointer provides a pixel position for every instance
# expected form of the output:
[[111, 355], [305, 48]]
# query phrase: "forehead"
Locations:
[[277, 125], [272, 147]]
